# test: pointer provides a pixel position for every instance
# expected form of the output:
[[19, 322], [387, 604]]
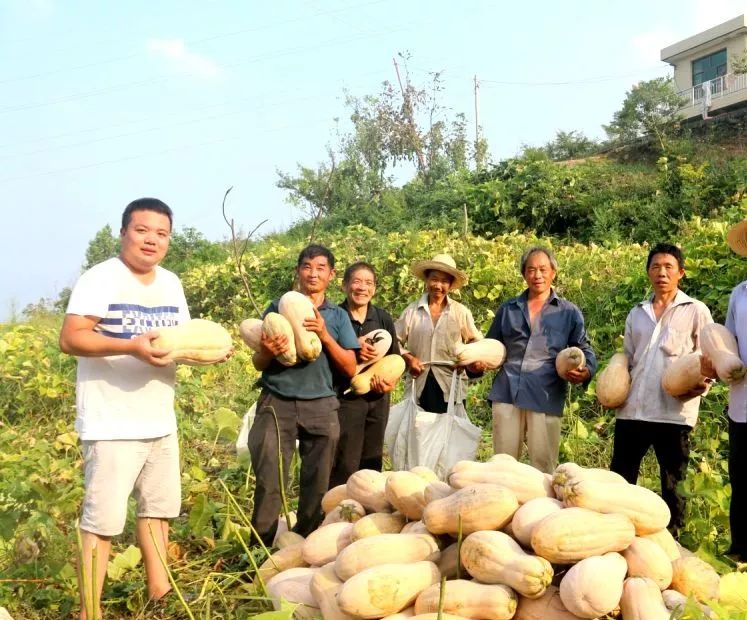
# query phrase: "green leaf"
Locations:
[[200, 516], [284, 613], [733, 590], [123, 562]]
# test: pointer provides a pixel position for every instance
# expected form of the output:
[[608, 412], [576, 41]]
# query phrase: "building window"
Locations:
[[709, 67]]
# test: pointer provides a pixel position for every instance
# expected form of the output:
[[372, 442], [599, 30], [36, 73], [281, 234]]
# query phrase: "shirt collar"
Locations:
[[370, 316], [524, 297], [680, 298], [423, 301]]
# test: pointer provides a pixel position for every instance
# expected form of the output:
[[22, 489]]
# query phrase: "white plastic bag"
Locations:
[[242, 441], [437, 440]]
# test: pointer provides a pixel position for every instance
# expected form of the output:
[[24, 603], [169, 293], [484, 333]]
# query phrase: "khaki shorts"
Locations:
[[148, 469]]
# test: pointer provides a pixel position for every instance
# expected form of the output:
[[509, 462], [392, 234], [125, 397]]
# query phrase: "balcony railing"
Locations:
[[718, 87]]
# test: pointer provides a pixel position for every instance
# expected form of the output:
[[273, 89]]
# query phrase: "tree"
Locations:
[[570, 145], [739, 62], [103, 246], [650, 108]]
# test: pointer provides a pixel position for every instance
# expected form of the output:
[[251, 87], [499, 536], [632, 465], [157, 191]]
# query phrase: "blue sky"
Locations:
[[103, 102]]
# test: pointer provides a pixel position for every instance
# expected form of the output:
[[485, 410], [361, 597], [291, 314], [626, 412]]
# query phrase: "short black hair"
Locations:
[[666, 248], [355, 267], [314, 250], [147, 204]]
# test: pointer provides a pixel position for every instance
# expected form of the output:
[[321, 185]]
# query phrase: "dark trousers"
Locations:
[[362, 425], [314, 424], [738, 478], [432, 397], [671, 443]]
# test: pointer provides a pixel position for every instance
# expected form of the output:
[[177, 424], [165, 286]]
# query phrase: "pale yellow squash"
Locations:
[[573, 534], [282, 560], [292, 585], [524, 480], [479, 507], [404, 490], [666, 541], [720, 346], [333, 497], [250, 331], [642, 600], [368, 486], [646, 558], [324, 587], [693, 576], [613, 383], [385, 549], [528, 515], [647, 510], [197, 342], [571, 358], [275, 324], [378, 523], [494, 557], [389, 368], [546, 607], [296, 307], [347, 510], [323, 544], [386, 589], [469, 599], [593, 587]]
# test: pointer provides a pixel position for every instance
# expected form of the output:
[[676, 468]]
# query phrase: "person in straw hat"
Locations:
[[431, 327], [736, 323]]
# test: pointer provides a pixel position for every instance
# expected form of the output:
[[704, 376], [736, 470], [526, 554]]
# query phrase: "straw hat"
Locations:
[[440, 262], [737, 238]]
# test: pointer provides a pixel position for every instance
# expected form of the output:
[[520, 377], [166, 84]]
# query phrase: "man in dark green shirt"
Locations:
[[302, 398]]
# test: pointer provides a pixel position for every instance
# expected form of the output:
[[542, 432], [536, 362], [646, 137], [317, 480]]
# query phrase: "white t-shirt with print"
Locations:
[[120, 396]]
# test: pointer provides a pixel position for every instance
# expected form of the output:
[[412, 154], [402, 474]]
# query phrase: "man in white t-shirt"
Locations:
[[125, 396]]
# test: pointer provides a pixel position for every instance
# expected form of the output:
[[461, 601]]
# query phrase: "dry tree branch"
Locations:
[[238, 249]]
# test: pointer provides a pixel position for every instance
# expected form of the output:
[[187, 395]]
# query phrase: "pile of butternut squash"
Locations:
[[508, 540]]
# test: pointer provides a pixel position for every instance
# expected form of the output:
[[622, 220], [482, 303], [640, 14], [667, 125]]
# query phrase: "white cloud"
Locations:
[[180, 59], [648, 45]]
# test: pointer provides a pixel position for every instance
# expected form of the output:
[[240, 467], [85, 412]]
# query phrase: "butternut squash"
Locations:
[[449, 560], [693, 576], [323, 544], [613, 383], [275, 324], [197, 342], [408, 612], [494, 557], [385, 549], [490, 352], [528, 515], [415, 527], [666, 541], [437, 490], [469, 599], [381, 341], [368, 486], [642, 600], [594, 586], [250, 331], [386, 589], [426, 473], [546, 607], [292, 585], [281, 560], [647, 510], [571, 358], [296, 307], [573, 534], [404, 490], [389, 368], [480, 506], [378, 523], [645, 558], [571, 473], [682, 375], [333, 497], [347, 510], [324, 587], [720, 346], [287, 539], [502, 469]]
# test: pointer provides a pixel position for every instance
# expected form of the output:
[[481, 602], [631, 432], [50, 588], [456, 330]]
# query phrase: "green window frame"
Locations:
[[709, 67]]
